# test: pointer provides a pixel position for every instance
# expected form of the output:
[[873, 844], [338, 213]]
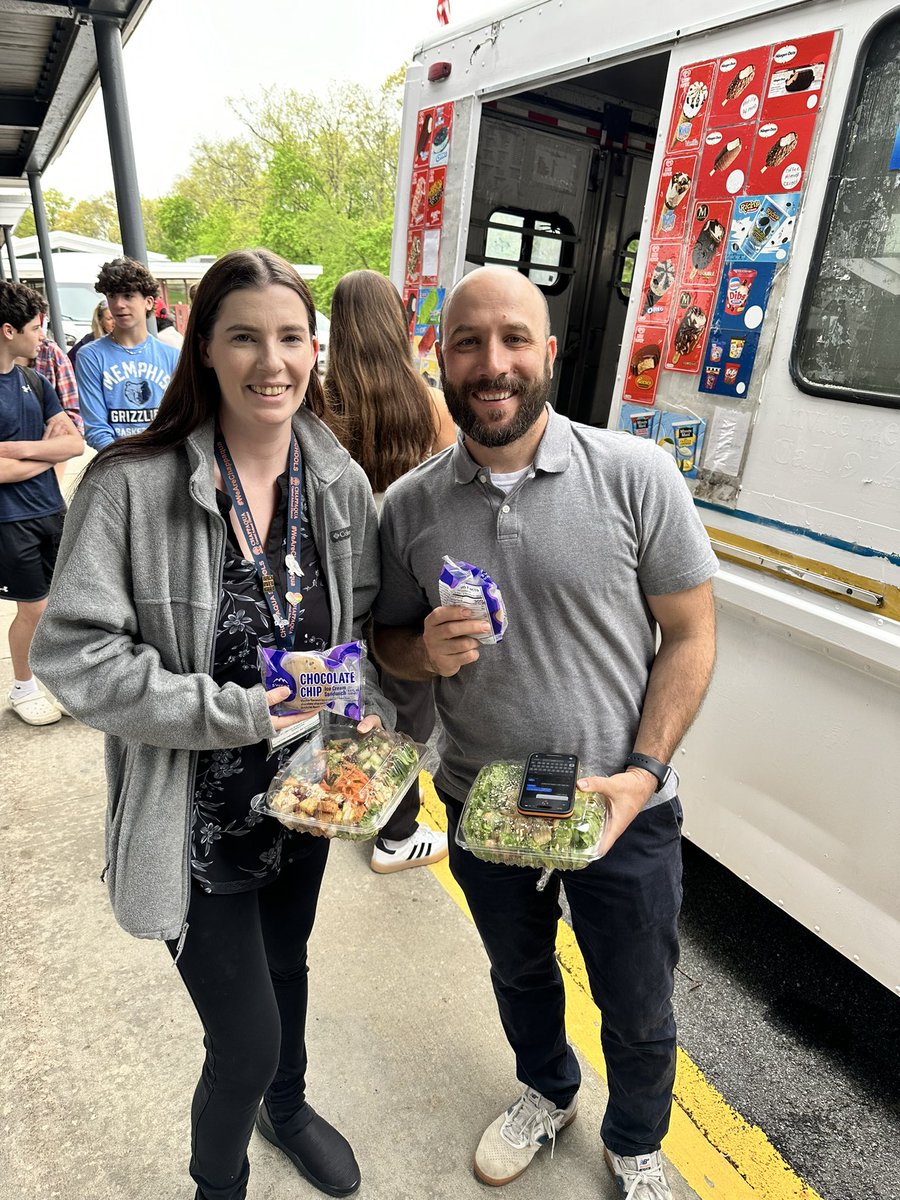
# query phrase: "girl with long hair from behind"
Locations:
[[390, 420], [380, 407]]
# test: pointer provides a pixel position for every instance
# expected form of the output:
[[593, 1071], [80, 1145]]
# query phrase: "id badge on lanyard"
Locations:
[[284, 610]]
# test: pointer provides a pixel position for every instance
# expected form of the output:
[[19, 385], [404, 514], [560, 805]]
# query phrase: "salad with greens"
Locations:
[[494, 830], [343, 785]]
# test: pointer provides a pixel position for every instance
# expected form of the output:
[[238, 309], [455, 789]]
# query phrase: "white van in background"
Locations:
[[710, 200]]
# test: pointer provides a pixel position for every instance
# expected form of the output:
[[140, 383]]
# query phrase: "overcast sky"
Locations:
[[188, 57]]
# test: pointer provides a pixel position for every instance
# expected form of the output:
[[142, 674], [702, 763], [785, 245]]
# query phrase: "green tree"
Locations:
[[216, 204], [177, 218], [331, 166], [57, 206]]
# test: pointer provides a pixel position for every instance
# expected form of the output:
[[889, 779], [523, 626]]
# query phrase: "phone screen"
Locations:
[[548, 785]]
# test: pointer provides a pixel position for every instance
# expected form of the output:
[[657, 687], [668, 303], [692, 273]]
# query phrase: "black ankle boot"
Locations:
[[317, 1150]]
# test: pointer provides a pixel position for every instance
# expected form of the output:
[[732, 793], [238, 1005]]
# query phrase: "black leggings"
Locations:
[[244, 965]]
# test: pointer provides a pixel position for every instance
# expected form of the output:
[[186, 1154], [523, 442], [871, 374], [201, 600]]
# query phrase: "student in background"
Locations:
[[165, 326], [122, 377], [35, 434], [390, 420], [102, 323]]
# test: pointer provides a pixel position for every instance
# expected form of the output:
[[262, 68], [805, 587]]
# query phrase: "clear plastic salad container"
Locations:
[[344, 784], [492, 828]]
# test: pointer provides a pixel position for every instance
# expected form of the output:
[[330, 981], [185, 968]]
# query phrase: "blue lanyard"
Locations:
[[284, 625]]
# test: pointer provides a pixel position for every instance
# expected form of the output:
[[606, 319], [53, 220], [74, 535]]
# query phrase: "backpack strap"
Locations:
[[35, 381]]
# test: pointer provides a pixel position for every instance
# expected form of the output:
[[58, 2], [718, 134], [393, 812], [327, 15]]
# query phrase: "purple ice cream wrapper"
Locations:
[[470, 587], [333, 679]]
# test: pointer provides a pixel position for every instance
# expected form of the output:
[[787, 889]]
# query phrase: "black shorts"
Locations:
[[28, 552]]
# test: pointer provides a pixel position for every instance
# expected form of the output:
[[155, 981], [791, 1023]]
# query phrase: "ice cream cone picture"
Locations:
[[678, 188], [689, 332], [694, 100], [660, 281], [727, 154], [779, 152]]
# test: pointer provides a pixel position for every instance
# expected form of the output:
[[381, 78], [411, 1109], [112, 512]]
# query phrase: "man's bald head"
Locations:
[[497, 281]]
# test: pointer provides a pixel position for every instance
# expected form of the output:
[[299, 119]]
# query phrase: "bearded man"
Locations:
[[595, 544]]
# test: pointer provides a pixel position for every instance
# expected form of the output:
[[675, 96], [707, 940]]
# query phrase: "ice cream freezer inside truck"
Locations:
[[712, 211]]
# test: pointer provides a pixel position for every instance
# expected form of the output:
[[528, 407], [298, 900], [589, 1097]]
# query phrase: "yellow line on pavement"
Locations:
[[716, 1151]]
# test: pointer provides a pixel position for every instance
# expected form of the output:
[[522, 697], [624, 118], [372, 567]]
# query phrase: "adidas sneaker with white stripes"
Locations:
[[418, 850]]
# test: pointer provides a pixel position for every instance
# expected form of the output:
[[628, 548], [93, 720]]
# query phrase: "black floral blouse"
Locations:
[[233, 848]]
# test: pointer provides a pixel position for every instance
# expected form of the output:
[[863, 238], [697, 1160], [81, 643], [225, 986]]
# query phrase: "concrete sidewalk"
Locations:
[[101, 1047]]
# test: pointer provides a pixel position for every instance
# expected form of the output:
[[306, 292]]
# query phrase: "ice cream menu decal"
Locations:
[[737, 146], [434, 130]]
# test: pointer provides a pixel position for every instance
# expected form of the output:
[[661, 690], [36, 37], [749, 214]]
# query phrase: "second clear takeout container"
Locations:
[[340, 783], [493, 829]]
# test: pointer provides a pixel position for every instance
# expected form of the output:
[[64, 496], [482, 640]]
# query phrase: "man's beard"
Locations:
[[532, 394]]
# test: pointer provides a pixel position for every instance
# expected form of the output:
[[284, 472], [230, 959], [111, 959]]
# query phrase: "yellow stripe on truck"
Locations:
[[715, 1150]]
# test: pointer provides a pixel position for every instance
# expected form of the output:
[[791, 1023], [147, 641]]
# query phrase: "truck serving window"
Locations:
[[847, 343], [539, 245]]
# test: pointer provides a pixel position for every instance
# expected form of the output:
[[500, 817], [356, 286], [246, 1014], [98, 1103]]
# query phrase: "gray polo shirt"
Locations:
[[601, 520]]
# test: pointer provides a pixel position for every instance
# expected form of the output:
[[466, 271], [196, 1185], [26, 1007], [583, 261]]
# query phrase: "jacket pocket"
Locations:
[[115, 806]]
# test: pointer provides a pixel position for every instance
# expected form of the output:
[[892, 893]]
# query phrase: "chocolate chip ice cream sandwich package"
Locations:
[[469, 587], [333, 679]]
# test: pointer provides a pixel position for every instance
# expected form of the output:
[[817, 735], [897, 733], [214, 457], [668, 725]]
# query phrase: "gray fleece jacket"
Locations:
[[128, 638]]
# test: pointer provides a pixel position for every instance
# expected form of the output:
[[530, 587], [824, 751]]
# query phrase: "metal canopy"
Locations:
[[48, 74]]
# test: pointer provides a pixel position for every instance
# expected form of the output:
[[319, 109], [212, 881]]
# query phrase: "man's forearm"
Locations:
[[17, 470], [678, 682], [400, 650], [51, 450]]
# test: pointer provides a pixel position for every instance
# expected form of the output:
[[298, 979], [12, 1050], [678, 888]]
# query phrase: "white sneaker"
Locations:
[[639, 1178], [420, 848], [511, 1142]]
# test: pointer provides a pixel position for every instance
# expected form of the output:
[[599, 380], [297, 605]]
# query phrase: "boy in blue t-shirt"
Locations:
[[35, 434], [122, 377]]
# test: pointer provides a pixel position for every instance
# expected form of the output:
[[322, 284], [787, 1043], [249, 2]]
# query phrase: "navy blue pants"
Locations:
[[625, 918]]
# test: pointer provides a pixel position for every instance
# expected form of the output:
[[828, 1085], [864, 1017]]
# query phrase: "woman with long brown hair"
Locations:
[[391, 421], [173, 569]]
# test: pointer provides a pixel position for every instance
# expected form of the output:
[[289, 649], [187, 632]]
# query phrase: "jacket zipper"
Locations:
[[195, 757]]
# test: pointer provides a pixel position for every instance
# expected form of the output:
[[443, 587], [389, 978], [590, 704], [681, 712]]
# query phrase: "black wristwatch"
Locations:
[[653, 765]]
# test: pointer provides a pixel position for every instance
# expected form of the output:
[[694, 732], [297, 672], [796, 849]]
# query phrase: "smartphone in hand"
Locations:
[[548, 785]]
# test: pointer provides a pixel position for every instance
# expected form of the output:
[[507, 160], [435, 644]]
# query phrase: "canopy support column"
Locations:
[[43, 235], [10, 253]]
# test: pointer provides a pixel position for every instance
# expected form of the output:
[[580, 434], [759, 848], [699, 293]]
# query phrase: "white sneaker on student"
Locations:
[[640, 1177], [509, 1144], [418, 850]]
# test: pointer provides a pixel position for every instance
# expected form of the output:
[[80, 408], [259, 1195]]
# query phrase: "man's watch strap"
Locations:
[[653, 765]]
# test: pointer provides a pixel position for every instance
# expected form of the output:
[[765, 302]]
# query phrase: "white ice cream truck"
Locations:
[[709, 196]]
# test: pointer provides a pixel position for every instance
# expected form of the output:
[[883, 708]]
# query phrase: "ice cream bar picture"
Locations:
[[797, 82], [689, 332], [727, 155], [740, 83], [778, 153], [644, 359], [709, 239]]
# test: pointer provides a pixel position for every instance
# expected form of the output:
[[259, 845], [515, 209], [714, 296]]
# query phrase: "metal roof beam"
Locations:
[[19, 112], [43, 8]]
